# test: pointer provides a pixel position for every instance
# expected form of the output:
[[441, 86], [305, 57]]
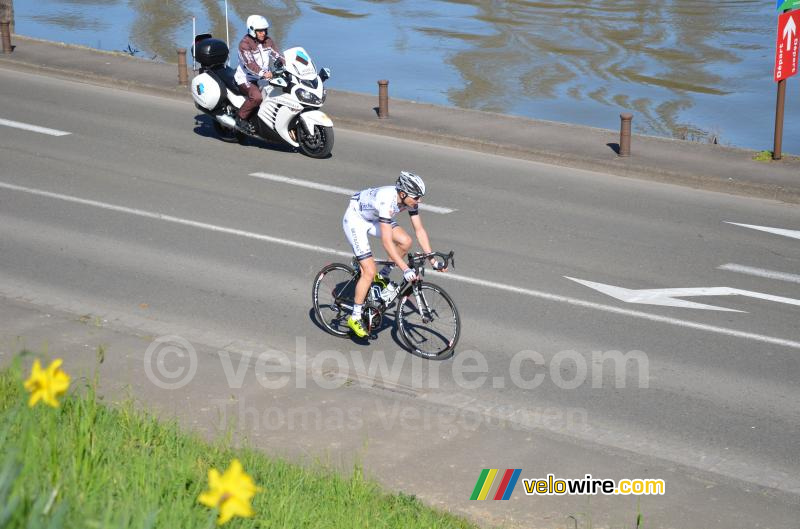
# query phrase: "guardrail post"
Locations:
[[5, 30], [183, 75], [625, 134], [7, 12], [383, 99]]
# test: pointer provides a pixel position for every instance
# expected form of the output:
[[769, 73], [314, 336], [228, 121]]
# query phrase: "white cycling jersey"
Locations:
[[367, 210], [380, 204]]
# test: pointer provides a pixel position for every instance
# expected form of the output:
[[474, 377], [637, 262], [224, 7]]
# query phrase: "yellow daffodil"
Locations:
[[230, 492], [47, 384]]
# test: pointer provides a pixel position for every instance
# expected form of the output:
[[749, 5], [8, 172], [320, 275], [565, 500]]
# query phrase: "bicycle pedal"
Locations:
[[373, 336]]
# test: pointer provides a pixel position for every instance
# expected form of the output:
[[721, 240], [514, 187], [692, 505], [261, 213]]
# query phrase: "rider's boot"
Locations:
[[356, 327], [245, 125]]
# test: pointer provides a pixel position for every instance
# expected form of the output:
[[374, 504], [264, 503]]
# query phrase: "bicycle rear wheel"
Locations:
[[332, 293], [433, 331]]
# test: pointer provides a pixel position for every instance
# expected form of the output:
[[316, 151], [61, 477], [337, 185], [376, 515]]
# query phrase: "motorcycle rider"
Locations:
[[371, 212], [257, 53]]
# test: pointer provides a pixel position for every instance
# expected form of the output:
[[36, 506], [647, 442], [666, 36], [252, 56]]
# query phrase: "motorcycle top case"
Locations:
[[211, 52], [207, 91]]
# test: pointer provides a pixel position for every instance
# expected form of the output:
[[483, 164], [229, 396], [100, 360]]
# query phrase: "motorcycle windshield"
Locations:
[[300, 63]]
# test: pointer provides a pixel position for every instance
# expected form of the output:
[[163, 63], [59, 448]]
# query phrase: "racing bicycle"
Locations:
[[426, 318]]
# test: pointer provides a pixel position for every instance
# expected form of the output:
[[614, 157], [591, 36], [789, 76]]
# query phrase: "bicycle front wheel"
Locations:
[[332, 293], [428, 324]]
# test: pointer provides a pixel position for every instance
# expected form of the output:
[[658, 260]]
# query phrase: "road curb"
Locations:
[[774, 183]]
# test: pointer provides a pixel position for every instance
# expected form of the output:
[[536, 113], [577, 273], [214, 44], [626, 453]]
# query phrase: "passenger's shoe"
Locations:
[[245, 126], [355, 326], [380, 280]]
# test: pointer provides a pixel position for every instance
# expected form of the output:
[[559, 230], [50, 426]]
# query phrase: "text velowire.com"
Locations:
[[496, 484], [592, 486]]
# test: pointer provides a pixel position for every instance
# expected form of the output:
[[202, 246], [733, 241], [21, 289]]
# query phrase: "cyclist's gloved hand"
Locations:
[[409, 275], [437, 265]]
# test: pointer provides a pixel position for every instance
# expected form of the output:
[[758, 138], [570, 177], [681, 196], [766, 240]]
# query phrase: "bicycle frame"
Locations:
[[417, 262]]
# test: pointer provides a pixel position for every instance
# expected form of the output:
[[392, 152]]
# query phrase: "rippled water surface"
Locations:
[[685, 68]]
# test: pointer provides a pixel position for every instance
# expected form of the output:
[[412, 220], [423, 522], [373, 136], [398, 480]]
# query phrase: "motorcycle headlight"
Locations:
[[307, 97]]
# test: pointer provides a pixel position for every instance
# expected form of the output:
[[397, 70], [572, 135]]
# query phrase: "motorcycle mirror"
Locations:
[[325, 74]]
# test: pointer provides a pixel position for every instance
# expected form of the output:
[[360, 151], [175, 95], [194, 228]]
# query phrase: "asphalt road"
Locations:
[[141, 210]]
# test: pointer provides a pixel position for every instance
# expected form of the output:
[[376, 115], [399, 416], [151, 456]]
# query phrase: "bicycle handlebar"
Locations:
[[418, 260]]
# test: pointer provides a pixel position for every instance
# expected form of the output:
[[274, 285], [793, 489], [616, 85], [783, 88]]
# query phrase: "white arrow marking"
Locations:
[[794, 234], [33, 128], [666, 296], [335, 189], [788, 31]]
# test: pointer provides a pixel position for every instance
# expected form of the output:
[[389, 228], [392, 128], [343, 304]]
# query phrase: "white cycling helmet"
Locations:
[[256, 22], [410, 184]]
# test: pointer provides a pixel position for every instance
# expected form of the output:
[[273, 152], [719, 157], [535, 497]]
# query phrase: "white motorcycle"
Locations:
[[289, 111]]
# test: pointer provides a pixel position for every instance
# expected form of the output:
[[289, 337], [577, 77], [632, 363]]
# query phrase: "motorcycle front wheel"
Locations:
[[318, 145]]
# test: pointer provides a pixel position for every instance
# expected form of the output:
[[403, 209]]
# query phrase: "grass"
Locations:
[[763, 156], [89, 465]]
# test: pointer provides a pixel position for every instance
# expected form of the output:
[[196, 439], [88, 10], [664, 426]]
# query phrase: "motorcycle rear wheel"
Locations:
[[318, 145]]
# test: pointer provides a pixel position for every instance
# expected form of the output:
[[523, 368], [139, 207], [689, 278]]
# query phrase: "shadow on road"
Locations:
[[204, 126]]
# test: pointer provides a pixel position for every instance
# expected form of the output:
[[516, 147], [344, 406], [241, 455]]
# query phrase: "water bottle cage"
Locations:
[[375, 293]]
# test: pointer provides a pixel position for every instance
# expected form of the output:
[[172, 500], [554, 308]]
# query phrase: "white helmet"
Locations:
[[410, 184], [255, 22]]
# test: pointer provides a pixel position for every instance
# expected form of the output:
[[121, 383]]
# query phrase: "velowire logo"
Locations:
[[504, 488]]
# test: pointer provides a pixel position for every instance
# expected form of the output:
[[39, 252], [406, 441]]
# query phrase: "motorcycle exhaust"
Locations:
[[227, 120]]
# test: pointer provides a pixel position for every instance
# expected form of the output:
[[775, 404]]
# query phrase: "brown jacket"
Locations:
[[255, 58]]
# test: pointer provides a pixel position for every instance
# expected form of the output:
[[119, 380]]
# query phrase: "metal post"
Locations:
[[7, 12], [183, 75], [625, 134], [776, 150], [383, 99], [5, 34]]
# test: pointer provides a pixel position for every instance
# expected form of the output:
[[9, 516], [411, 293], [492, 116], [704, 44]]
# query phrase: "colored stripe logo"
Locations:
[[505, 487]]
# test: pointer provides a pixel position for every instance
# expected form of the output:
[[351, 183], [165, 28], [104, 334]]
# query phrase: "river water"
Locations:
[[686, 69]]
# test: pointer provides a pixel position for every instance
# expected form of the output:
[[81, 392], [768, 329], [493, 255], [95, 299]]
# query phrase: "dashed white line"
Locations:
[[335, 189], [464, 279], [33, 128], [794, 234], [176, 220], [760, 272]]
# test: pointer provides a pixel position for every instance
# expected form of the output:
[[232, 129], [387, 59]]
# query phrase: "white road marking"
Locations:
[[33, 128], [760, 272], [659, 296], [464, 279], [336, 189], [176, 220], [794, 234], [666, 296]]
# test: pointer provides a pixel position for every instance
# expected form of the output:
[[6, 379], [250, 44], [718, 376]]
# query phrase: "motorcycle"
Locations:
[[289, 111]]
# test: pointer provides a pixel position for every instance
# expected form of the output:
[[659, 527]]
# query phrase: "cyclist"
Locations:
[[372, 212]]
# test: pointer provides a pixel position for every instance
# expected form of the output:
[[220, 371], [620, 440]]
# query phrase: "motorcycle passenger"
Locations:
[[257, 52], [371, 212]]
